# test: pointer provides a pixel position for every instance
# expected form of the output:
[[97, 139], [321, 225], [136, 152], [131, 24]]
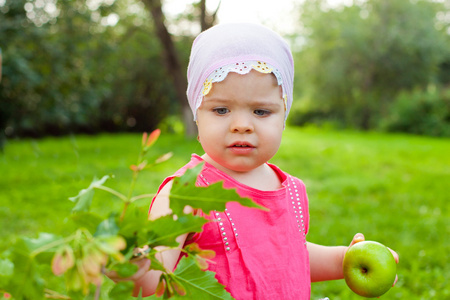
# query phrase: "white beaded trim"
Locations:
[[220, 220], [296, 205], [298, 211]]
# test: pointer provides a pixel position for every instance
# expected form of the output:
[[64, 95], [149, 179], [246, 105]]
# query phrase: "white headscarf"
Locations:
[[237, 47]]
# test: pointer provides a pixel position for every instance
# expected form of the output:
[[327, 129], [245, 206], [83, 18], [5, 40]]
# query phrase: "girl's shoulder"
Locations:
[[286, 177], [195, 160]]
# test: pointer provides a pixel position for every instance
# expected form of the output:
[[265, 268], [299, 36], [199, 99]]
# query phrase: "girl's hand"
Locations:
[[359, 237], [143, 264]]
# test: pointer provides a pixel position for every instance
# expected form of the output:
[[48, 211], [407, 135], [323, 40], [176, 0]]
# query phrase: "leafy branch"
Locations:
[[101, 243]]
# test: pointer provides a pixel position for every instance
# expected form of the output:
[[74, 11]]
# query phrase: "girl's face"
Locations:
[[241, 121]]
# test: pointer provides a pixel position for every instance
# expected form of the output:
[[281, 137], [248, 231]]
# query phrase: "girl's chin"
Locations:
[[238, 166], [234, 164]]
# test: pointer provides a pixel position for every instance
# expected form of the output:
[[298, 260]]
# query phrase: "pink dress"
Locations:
[[259, 254]]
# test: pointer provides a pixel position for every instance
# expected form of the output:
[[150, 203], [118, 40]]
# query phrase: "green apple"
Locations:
[[369, 269]]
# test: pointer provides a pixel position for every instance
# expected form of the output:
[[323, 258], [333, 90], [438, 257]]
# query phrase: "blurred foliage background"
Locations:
[[67, 69], [92, 66], [376, 65], [96, 66]]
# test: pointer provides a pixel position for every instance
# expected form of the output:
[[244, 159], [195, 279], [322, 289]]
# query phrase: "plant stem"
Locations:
[[111, 191], [52, 245], [124, 210], [142, 197], [97, 292], [132, 185], [74, 236], [54, 295]]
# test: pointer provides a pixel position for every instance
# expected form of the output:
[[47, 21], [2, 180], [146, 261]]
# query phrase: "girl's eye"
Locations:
[[261, 112], [221, 110]]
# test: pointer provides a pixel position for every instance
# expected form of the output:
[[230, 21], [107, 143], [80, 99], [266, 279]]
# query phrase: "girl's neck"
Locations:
[[262, 178]]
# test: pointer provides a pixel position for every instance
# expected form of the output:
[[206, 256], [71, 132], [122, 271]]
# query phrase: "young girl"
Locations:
[[240, 90]]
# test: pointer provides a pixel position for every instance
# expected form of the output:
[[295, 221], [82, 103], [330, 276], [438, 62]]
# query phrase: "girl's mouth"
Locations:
[[242, 145], [241, 148]]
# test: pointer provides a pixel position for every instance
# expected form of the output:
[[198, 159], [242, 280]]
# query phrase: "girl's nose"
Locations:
[[241, 123]]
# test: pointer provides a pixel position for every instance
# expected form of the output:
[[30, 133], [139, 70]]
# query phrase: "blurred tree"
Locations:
[[65, 62], [207, 20], [173, 64], [0, 64], [357, 58], [17, 36]]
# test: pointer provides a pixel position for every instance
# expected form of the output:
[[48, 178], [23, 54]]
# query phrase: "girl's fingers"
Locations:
[[396, 257], [359, 237], [143, 266], [395, 281]]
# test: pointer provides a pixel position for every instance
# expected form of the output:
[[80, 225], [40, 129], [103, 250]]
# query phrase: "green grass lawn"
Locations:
[[392, 188]]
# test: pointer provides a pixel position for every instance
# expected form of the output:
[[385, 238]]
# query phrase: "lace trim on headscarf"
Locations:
[[241, 68]]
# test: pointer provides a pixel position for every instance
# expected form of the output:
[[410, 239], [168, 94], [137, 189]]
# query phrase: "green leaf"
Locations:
[[6, 267], [86, 220], [155, 264], [125, 269], [198, 284], [107, 227], [42, 240], [134, 222], [122, 290], [213, 197], [84, 198], [140, 295], [6, 271], [26, 282], [110, 244], [164, 230]]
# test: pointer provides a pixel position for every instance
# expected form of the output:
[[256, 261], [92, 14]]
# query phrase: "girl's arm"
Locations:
[[146, 280], [326, 262]]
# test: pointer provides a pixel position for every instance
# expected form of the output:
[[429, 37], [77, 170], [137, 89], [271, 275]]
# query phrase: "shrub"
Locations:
[[425, 112]]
